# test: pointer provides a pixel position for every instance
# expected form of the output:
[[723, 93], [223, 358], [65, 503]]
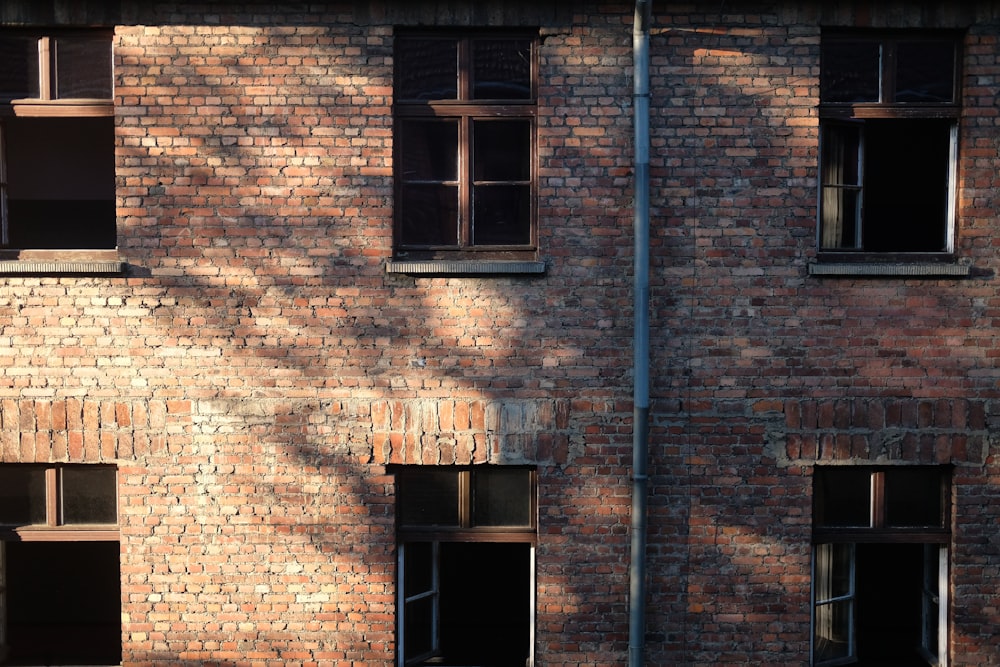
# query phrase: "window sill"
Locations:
[[465, 267], [893, 266], [62, 263]]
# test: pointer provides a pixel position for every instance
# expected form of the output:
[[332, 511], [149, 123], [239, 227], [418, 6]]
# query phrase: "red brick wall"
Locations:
[[259, 369]]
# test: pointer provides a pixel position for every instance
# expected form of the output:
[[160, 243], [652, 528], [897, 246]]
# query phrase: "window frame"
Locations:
[[55, 529], [934, 539], [833, 113], [466, 112], [464, 531], [98, 259]]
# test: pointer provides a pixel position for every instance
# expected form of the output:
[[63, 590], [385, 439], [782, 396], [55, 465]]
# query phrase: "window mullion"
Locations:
[[465, 160], [465, 499], [4, 226], [45, 68], [51, 497], [878, 500]]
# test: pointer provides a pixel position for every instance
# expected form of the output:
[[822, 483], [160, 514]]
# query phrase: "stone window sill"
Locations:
[[465, 267]]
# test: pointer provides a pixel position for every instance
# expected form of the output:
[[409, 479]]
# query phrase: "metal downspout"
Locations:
[[640, 419]]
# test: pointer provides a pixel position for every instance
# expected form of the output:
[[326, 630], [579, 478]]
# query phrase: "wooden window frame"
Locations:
[[886, 109], [465, 531], [54, 529], [935, 540], [465, 111]]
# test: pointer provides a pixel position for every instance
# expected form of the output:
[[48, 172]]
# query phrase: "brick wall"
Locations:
[[257, 371]]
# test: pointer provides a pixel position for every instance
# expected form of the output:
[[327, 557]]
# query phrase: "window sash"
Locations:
[[831, 628], [934, 606], [406, 603], [55, 528]]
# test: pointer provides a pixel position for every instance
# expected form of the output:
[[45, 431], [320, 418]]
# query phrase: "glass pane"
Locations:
[[426, 69], [419, 627], [501, 215], [501, 69], [502, 150], [841, 154], [429, 215], [913, 498], [850, 71], [842, 497], [925, 72], [418, 566], [840, 218], [89, 495], [833, 630], [19, 74], [429, 150], [428, 498], [501, 497], [83, 67], [22, 495]]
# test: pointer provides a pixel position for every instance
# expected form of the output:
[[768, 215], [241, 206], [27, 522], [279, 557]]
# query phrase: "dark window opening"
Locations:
[[880, 566], [466, 552], [889, 110], [61, 183], [63, 603]]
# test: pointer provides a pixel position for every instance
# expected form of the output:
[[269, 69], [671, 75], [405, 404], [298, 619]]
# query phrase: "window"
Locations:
[[60, 590], [466, 565], [57, 167], [880, 566], [465, 146], [889, 134]]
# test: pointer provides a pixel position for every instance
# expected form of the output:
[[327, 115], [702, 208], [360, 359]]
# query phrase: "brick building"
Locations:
[[329, 359]]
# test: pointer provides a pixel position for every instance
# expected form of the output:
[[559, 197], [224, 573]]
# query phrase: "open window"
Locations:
[[889, 108], [465, 108], [466, 565], [880, 567], [57, 169], [60, 590]]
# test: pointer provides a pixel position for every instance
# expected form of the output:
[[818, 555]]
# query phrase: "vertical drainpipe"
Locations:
[[640, 345]]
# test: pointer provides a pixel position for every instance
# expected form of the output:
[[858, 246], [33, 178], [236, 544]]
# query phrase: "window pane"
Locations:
[[19, 74], [850, 71], [501, 69], [427, 69], [833, 630], [501, 497], [913, 497], [502, 150], [925, 72], [419, 628], [419, 568], [429, 150], [428, 498], [83, 67], [89, 495], [843, 498], [429, 215], [501, 215], [22, 495]]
